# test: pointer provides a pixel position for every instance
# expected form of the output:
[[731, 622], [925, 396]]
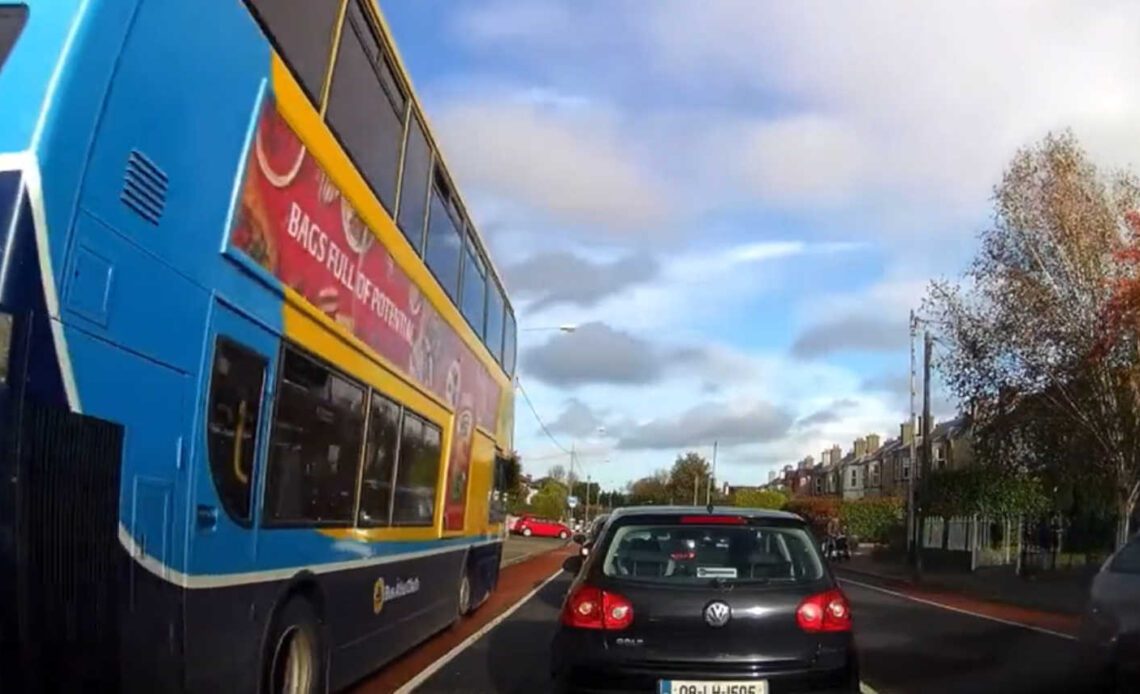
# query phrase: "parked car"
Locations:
[[672, 599], [1110, 629], [541, 527]]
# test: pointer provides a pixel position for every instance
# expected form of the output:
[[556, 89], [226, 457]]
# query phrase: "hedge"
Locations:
[[872, 520], [868, 520]]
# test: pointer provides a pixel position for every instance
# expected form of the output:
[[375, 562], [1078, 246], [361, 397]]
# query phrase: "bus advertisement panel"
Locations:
[[295, 224]]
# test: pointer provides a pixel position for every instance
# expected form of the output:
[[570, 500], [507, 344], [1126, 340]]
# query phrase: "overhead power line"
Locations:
[[537, 418]]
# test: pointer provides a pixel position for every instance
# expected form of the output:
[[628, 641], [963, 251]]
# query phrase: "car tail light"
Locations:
[[713, 520], [593, 608], [828, 611]]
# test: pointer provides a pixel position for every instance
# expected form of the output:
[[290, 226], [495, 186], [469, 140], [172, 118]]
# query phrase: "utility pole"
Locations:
[[712, 478], [587, 514], [927, 444], [696, 488], [910, 516], [570, 478]]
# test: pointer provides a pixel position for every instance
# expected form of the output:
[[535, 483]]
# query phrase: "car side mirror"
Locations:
[[573, 564], [579, 539]]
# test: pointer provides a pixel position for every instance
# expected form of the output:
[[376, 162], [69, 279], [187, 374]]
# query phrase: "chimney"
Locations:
[[836, 454], [860, 447], [872, 443], [905, 430]]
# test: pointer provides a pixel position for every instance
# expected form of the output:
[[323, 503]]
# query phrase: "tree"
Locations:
[[649, 490], [759, 498], [512, 482], [558, 472], [550, 501], [690, 473], [1037, 322]]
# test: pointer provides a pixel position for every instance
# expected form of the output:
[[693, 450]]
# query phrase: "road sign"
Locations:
[[572, 502]]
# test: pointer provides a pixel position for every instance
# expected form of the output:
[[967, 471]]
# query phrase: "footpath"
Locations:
[[1051, 601]]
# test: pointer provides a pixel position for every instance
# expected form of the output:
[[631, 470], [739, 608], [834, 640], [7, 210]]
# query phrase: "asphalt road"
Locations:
[[905, 646], [908, 646], [516, 547]]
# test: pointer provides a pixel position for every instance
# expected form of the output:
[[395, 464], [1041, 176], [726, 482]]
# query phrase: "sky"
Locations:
[[737, 202]]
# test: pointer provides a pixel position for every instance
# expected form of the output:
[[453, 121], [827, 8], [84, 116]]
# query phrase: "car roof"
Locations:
[[651, 510]]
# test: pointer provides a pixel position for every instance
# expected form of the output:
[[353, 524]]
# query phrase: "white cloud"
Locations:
[[694, 289], [803, 103], [939, 93], [764, 387], [791, 161], [564, 163], [498, 22]]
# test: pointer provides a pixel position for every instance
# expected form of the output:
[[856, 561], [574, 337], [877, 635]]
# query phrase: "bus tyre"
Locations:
[[465, 594], [295, 660], [563, 535], [526, 532]]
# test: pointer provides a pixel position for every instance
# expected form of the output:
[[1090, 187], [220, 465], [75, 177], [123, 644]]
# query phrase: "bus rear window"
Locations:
[[12, 20]]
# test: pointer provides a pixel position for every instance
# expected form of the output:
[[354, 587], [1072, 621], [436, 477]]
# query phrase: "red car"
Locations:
[[540, 527]]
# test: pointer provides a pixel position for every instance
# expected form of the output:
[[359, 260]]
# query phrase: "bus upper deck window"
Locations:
[[12, 21]]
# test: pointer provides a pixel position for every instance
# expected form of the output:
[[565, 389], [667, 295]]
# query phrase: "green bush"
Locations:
[[759, 498], [872, 519]]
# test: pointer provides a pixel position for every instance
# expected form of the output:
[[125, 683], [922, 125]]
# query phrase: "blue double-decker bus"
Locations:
[[255, 360]]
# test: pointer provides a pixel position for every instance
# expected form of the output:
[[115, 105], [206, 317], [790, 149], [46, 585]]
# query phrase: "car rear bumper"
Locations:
[[578, 667], [623, 680]]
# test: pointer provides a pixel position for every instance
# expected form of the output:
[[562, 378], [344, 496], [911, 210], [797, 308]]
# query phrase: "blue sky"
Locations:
[[738, 201]]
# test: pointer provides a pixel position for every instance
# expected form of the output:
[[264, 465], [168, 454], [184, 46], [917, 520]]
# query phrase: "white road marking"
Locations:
[[865, 688], [446, 658], [932, 603]]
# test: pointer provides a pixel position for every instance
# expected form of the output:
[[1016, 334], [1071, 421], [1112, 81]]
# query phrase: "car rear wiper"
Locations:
[[721, 583]]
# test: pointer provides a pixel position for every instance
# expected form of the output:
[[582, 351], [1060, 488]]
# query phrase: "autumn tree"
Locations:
[[1037, 318]]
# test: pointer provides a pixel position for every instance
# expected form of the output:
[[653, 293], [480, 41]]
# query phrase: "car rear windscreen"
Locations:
[[694, 554], [12, 20]]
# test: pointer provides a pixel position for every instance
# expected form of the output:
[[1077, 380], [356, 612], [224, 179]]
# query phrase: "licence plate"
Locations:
[[698, 687]]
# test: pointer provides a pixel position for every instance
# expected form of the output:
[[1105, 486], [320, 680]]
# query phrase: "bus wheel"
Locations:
[[465, 594], [296, 659]]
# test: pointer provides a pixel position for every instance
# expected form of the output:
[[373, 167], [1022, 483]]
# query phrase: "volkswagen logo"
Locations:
[[717, 614]]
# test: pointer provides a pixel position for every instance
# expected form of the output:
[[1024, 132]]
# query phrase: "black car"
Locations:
[[694, 601], [587, 539], [1110, 630]]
